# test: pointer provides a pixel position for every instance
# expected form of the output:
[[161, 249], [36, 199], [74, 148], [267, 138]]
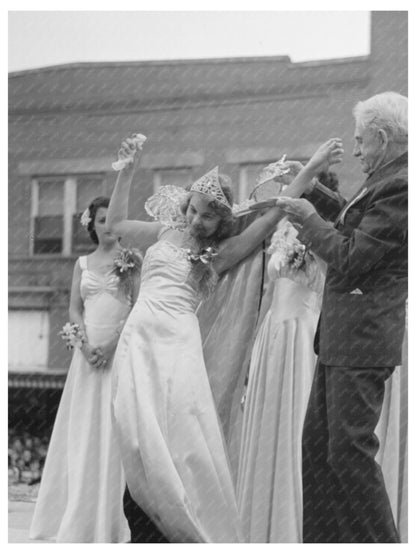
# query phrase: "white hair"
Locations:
[[387, 111]]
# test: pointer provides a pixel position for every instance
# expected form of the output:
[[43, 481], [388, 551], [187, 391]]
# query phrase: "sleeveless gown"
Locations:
[[166, 424], [80, 497], [269, 482]]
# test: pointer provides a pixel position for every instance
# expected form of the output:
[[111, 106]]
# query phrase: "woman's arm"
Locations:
[[76, 305], [329, 153], [139, 233], [76, 311], [135, 291], [234, 249]]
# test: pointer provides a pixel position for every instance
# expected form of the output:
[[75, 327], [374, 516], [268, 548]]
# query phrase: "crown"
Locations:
[[209, 185]]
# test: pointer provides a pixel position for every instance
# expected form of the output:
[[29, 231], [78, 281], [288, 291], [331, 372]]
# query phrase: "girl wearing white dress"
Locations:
[[80, 497], [166, 423], [269, 484]]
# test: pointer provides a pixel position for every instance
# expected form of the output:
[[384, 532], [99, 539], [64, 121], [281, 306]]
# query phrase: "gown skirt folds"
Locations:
[[269, 484], [167, 427], [81, 493]]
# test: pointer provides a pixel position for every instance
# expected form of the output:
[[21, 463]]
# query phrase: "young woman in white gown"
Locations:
[[269, 483], [167, 427], [80, 497]]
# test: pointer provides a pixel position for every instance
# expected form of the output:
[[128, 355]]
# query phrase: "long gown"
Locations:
[[167, 427], [269, 482], [80, 497], [269, 486]]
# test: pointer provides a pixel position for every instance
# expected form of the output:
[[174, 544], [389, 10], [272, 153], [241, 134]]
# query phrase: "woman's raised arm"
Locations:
[[235, 249], [140, 233]]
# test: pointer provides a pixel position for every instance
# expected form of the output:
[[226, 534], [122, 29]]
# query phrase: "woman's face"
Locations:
[[202, 220], [101, 229]]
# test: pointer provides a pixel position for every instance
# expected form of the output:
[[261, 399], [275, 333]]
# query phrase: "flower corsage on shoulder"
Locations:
[[291, 259], [286, 249]]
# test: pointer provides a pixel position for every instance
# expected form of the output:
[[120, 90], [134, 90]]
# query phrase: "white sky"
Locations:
[[42, 38]]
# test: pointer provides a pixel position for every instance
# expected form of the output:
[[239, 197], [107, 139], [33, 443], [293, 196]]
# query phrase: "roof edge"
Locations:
[[202, 61]]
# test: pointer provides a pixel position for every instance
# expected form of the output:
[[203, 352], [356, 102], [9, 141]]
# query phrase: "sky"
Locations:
[[44, 38]]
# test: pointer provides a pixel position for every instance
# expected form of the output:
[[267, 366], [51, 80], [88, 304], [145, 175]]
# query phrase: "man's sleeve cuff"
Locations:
[[311, 229]]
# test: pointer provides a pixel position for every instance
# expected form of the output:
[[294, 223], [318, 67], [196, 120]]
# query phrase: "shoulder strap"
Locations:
[[82, 262]]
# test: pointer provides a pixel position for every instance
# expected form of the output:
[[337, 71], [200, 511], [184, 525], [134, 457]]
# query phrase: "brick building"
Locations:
[[66, 123]]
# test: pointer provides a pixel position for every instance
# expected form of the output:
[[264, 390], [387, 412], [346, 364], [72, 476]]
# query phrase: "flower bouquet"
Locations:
[[73, 335], [121, 164], [291, 259]]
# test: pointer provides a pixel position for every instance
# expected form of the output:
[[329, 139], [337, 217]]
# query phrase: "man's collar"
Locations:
[[400, 160]]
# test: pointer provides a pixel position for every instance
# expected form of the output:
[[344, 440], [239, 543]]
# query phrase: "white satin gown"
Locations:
[[269, 482], [81, 492], [167, 427]]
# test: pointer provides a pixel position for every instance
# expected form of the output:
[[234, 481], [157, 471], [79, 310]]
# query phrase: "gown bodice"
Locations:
[[105, 305], [166, 279]]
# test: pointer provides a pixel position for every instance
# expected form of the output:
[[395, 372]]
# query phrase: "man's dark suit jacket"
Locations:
[[364, 302]]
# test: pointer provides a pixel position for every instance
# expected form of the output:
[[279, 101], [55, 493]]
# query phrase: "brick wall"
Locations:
[[198, 113]]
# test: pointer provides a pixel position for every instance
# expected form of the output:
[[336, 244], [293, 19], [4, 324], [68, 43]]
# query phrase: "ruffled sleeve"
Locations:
[[165, 206]]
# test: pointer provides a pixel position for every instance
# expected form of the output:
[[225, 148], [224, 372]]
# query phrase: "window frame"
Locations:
[[70, 184], [157, 175], [242, 173]]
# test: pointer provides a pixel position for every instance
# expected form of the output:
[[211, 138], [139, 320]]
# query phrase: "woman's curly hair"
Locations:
[[226, 225], [204, 276]]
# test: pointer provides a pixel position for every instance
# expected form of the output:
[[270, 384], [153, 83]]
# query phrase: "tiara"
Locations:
[[209, 185]]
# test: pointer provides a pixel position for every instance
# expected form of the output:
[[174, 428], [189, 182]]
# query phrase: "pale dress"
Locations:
[[281, 373], [269, 483], [80, 497], [167, 427]]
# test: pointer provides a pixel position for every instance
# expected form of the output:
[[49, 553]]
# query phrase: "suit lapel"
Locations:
[[354, 200]]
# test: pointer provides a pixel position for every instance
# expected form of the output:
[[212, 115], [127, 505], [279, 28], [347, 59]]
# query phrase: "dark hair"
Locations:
[[329, 179], [99, 202], [226, 224]]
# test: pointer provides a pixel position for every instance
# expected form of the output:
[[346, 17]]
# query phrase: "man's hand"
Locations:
[[298, 209]]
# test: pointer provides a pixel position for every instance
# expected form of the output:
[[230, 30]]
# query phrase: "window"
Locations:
[[248, 176], [48, 220], [28, 338], [57, 203], [180, 177]]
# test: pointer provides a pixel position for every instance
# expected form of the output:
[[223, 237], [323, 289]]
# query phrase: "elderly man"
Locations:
[[361, 328]]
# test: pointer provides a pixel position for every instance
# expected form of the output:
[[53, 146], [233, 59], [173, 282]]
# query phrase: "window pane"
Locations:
[[51, 197], [180, 177], [248, 176], [88, 188], [28, 339], [48, 235]]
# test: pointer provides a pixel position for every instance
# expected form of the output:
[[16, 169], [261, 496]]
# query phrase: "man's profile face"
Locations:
[[368, 148]]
